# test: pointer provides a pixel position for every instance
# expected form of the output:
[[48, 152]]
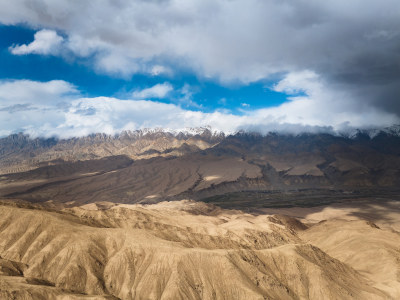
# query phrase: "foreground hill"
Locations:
[[188, 250]]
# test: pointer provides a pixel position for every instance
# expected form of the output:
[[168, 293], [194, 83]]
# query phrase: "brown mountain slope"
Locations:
[[242, 170], [153, 179], [358, 246], [179, 250], [20, 153]]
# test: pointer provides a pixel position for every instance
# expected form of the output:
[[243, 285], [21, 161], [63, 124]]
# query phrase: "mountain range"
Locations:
[[155, 214], [152, 166]]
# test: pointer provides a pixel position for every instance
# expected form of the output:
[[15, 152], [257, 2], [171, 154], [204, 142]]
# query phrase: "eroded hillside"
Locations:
[[243, 170], [20, 153], [188, 250]]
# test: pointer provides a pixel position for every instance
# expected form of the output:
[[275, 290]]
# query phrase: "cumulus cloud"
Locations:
[[314, 102], [15, 92], [45, 42], [31, 104], [246, 39], [338, 60], [56, 108], [159, 91]]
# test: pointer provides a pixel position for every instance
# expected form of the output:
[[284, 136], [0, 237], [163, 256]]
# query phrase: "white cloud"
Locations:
[[320, 105], [26, 104], [353, 46], [56, 108], [296, 82], [45, 42], [13, 92], [186, 97], [159, 91], [241, 39], [159, 70]]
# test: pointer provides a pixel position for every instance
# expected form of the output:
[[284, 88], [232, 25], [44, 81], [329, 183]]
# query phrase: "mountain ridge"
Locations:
[[159, 166], [163, 216]]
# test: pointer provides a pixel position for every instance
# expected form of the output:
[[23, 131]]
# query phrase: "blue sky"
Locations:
[[71, 68], [207, 94]]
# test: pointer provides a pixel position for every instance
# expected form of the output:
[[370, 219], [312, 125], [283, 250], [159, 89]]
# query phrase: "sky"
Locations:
[[71, 68]]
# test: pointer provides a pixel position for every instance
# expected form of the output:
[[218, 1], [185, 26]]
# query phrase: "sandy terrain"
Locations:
[[191, 250]]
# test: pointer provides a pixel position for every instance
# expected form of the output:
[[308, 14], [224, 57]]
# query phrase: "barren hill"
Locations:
[[249, 169], [189, 250], [200, 215], [19, 152]]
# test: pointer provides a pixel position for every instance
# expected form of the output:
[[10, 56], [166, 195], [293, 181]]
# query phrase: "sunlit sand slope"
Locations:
[[189, 250]]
